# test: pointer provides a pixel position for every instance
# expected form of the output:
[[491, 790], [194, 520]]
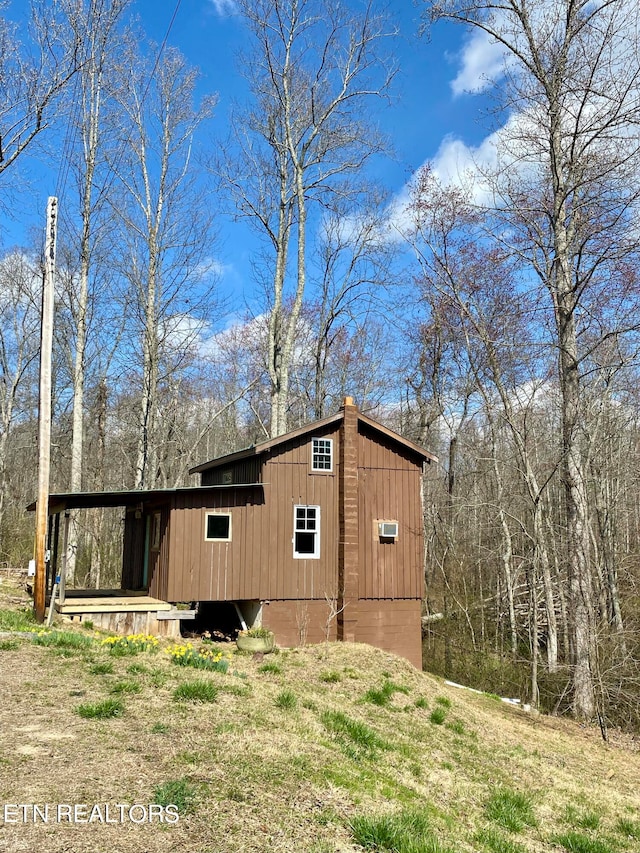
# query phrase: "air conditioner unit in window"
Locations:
[[388, 529]]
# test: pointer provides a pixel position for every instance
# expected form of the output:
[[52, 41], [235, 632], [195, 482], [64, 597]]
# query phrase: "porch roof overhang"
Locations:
[[63, 501]]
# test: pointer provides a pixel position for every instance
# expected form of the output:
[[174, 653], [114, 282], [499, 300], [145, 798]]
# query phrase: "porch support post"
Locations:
[[49, 575], [53, 562], [63, 570]]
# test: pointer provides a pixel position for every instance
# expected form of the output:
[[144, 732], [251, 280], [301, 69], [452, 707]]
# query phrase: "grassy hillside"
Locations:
[[344, 748]]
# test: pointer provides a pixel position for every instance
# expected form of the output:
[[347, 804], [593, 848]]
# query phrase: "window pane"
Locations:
[[321, 454], [218, 526], [306, 532], [305, 542]]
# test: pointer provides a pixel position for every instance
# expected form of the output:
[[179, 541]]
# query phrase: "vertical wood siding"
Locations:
[[390, 625], [244, 471], [258, 562], [158, 573], [389, 486]]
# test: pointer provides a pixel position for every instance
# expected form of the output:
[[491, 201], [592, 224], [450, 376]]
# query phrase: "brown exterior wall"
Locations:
[[135, 532], [258, 562], [393, 626], [380, 583], [158, 572], [295, 623], [389, 490], [244, 471], [390, 625]]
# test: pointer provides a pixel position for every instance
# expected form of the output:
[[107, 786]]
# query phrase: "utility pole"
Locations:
[[44, 409]]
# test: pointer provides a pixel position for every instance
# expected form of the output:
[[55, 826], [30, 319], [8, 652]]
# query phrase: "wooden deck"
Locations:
[[122, 611], [108, 601]]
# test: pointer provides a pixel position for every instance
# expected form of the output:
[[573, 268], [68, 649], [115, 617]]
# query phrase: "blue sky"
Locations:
[[427, 117], [431, 117], [425, 109]]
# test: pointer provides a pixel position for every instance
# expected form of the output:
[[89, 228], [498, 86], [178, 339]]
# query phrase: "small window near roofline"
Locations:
[[322, 454], [217, 527]]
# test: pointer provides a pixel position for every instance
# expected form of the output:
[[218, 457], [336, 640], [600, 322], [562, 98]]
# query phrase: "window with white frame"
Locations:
[[322, 454], [306, 532], [217, 527]]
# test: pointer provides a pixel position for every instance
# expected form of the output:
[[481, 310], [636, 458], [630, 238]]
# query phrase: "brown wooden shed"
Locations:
[[324, 521]]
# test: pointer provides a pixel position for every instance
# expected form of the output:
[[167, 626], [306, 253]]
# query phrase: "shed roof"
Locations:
[[315, 426], [132, 497]]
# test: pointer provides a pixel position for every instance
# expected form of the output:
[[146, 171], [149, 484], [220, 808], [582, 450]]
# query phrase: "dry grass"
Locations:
[[264, 775]]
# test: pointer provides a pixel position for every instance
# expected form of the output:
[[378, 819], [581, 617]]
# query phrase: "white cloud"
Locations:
[[212, 268], [459, 164], [20, 281], [239, 333], [516, 154], [182, 331], [512, 152], [454, 164], [224, 7], [482, 62]]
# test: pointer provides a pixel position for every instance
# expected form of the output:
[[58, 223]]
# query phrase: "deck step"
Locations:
[[176, 614]]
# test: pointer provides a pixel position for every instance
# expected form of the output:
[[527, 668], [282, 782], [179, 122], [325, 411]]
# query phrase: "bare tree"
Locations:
[[167, 232], [476, 281], [569, 191], [93, 25], [33, 71], [19, 319], [351, 266], [316, 66]]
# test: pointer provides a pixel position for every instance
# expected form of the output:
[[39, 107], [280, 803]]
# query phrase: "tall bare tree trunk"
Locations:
[[166, 229], [145, 457], [571, 84], [19, 343], [580, 584], [94, 29], [315, 65], [506, 552], [278, 322], [97, 515]]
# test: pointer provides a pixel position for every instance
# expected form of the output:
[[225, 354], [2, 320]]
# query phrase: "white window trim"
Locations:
[[322, 470], [316, 550], [206, 525]]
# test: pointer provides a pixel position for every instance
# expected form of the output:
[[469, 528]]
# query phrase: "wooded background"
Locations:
[[493, 319]]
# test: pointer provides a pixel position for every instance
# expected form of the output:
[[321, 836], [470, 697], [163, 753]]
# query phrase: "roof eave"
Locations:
[[399, 439], [270, 443], [60, 502]]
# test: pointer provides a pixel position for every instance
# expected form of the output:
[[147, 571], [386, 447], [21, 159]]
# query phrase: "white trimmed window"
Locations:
[[306, 532], [322, 454], [217, 527]]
